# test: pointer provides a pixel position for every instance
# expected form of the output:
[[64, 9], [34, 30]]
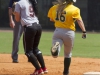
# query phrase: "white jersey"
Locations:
[[26, 11]]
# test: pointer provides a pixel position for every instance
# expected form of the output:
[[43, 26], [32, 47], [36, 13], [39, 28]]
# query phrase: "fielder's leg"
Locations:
[[17, 32], [67, 62]]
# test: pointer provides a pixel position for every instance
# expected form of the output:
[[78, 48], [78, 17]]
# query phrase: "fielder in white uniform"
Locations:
[[32, 33]]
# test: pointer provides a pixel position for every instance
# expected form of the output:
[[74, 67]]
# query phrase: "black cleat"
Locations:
[[55, 50], [15, 61], [29, 60]]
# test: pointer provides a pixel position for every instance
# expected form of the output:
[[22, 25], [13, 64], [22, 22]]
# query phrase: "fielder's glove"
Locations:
[[84, 35]]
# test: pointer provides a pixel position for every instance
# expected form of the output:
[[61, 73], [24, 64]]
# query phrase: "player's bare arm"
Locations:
[[12, 24], [81, 24], [51, 20], [17, 16]]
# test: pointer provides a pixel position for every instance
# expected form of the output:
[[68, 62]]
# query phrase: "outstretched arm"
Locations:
[[81, 25]]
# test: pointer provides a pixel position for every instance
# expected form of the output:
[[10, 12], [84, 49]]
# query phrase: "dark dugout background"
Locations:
[[90, 10]]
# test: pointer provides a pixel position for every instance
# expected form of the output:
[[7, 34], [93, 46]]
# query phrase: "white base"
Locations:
[[92, 73]]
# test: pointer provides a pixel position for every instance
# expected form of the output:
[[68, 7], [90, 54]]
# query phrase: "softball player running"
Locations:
[[26, 12], [17, 32], [64, 14]]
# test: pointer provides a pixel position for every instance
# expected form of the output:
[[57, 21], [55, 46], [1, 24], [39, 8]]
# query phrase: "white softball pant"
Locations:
[[64, 37]]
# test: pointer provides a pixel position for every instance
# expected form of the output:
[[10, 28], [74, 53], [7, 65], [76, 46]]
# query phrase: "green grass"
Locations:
[[89, 47]]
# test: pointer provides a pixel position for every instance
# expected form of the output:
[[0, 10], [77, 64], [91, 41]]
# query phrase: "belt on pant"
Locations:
[[30, 24]]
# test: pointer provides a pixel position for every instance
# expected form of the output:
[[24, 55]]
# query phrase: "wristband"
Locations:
[[84, 31]]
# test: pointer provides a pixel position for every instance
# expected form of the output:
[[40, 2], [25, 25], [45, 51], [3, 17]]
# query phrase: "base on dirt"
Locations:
[[92, 73]]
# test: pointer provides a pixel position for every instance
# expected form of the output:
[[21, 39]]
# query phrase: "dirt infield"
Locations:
[[55, 66]]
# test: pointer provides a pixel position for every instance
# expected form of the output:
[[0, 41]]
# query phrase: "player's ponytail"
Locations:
[[61, 5], [34, 5]]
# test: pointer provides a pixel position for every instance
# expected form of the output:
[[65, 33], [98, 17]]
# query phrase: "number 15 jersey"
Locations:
[[67, 18]]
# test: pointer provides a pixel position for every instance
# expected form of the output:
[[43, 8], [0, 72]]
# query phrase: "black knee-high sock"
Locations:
[[34, 61], [67, 62], [41, 60]]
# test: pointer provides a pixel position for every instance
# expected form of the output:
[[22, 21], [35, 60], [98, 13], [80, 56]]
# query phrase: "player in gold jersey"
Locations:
[[64, 14]]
